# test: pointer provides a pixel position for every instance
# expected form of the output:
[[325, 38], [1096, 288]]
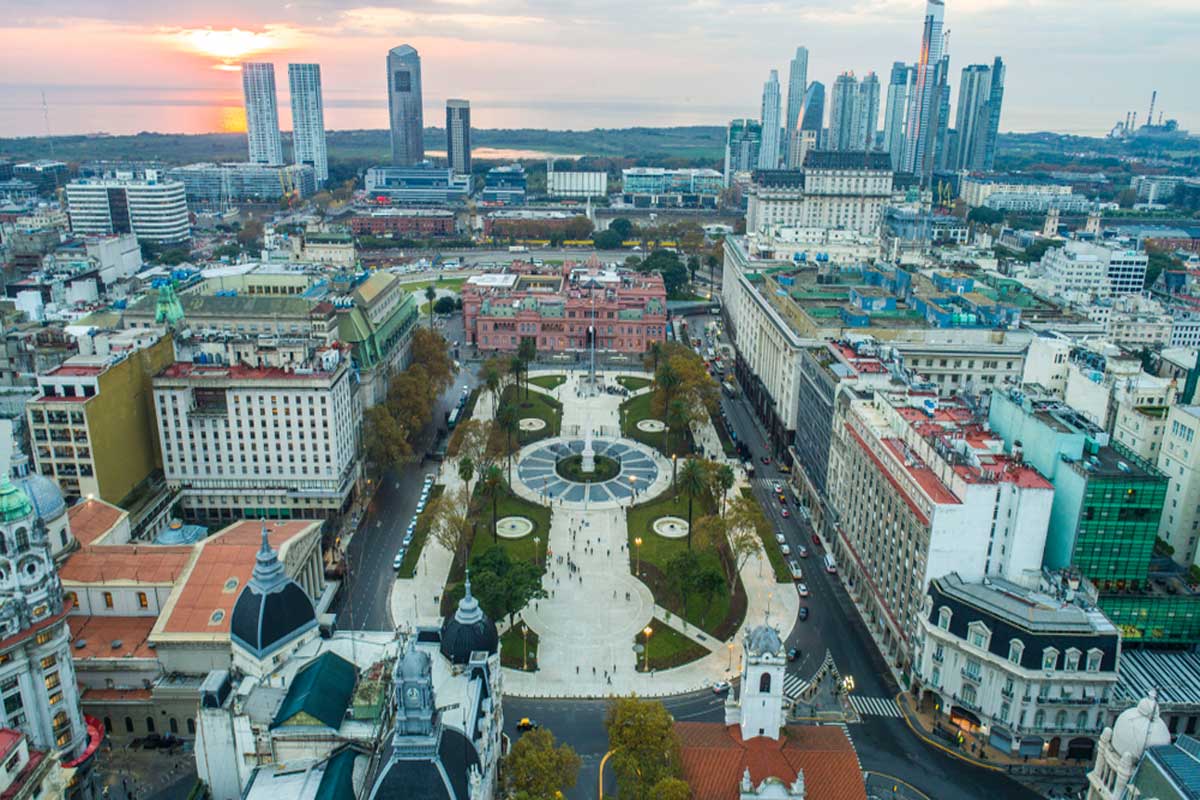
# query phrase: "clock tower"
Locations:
[[416, 711]]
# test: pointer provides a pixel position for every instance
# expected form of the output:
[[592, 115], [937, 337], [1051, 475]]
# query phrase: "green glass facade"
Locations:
[[1117, 525], [1145, 618]]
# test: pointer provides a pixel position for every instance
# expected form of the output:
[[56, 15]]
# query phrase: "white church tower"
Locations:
[[1136, 730], [759, 710]]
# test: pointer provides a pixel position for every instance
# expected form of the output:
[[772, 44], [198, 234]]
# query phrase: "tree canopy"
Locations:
[[504, 586], [538, 769], [644, 745]]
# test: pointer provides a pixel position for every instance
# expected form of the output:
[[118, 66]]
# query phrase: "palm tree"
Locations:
[[691, 479], [491, 377], [653, 354], [677, 419], [430, 295], [509, 420], [515, 367], [724, 480], [466, 470], [491, 483]]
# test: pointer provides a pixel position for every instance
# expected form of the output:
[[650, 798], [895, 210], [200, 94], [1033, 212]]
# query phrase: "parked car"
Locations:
[[398, 560], [408, 537], [802, 589], [779, 537], [803, 613], [816, 540], [802, 551], [720, 687], [783, 548], [794, 566]]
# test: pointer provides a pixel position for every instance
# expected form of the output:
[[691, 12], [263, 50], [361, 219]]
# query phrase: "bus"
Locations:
[[452, 420]]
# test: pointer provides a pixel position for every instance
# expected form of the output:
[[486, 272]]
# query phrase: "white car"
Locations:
[[783, 548], [802, 589], [420, 506], [778, 487], [398, 560], [797, 575], [779, 538]]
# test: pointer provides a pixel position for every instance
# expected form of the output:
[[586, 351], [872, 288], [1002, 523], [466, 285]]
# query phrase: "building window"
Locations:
[[764, 683], [108, 600], [129, 724], [1093, 660], [1072, 661], [143, 600], [944, 618], [1049, 658], [150, 724], [968, 694], [1016, 648]]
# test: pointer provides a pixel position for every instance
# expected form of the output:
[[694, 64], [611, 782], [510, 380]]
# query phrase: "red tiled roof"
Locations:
[[229, 554], [100, 632], [8, 740], [75, 370], [91, 519], [715, 756], [146, 563], [923, 475], [110, 695]]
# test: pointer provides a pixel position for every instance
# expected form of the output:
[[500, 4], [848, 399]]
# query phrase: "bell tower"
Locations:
[[763, 669]]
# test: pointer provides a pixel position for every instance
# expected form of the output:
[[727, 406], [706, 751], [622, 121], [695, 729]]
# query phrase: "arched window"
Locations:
[[764, 682], [129, 724], [174, 725], [1039, 718], [1060, 719], [22, 539], [191, 725], [3, 546], [1081, 722], [149, 724]]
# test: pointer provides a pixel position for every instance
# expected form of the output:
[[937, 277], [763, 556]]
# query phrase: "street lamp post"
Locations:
[[638, 544], [537, 540], [524, 647], [730, 667], [674, 464], [647, 631]]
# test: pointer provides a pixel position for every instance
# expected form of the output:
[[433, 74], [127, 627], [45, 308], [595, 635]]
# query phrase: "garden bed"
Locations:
[[771, 548], [667, 648], [548, 381], [639, 408], [517, 651], [633, 383]]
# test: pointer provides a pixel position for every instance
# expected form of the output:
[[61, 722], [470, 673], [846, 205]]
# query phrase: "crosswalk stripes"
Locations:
[[874, 706], [794, 686]]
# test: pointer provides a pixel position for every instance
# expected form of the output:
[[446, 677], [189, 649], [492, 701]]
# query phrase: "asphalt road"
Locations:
[[363, 603]]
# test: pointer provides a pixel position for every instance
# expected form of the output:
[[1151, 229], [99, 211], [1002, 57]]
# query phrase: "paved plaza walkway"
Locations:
[[587, 624]]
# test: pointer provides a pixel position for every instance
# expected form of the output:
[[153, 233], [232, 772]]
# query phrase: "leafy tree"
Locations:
[[691, 480], [693, 265], [748, 528], [1127, 197], [492, 375], [709, 584], [983, 215], [430, 294], [387, 442], [677, 416], [622, 227], [682, 570], [722, 480], [505, 586], [491, 483], [671, 789], [250, 236], [536, 769], [644, 745], [633, 262], [653, 354], [452, 520], [607, 240], [444, 305], [431, 352]]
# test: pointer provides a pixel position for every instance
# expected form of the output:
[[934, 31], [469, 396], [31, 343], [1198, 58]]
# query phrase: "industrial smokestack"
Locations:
[[1150, 114]]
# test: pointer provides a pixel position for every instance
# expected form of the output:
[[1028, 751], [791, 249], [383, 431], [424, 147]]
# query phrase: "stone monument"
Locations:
[[588, 463]]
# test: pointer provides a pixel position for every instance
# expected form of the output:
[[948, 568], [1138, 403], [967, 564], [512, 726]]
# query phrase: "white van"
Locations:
[[830, 564]]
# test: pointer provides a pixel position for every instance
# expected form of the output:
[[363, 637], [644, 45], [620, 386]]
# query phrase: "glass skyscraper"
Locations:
[[404, 106], [308, 118], [742, 144], [813, 118], [893, 115], [978, 122], [458, 136], [925, 99], [262, 113], [768, 154], [797, 85]]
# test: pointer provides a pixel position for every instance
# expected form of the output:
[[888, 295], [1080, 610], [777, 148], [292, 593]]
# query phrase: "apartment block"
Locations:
[[1179, 460], [92, 421]]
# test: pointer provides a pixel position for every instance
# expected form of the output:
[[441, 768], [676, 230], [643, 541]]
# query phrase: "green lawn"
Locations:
[[409, 565], [639, 408], [538, 405], [517, 651], [548, 381], [509, 505], [668, 648], [449, 284], [774, 554], [633, 384], [657, 551]]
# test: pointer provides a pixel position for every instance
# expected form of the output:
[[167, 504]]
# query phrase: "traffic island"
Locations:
[[519, 648]]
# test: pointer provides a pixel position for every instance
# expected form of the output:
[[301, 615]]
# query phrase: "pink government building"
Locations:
[[557, 305]]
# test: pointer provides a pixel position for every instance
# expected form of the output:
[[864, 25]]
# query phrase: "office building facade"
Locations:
[[743, 141], [262, 113], [505, 186], [404, 106], [797, 87], [893, 115], [420, 184], [841, 112], [921, 121], [308, 119], [768, 154], [458, 136], [578, 185], [151, 209], [813, 116], [215, 186], [980, 95]]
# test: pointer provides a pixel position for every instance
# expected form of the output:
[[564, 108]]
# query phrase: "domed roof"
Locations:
[[763, 639], [444, 776], [1140, 727], [272, 609], [14, 503], [468, 631], [415, 664], [47, 497]]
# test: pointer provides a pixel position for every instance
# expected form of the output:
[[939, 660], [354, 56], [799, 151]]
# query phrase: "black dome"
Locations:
[[468, 631], [420, 779], [272, 609]]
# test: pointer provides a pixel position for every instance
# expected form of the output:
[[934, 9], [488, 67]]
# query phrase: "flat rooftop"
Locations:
[[1029, 609]]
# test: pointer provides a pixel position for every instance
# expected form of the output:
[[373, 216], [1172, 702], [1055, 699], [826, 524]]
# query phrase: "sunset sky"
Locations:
[[129, 65]]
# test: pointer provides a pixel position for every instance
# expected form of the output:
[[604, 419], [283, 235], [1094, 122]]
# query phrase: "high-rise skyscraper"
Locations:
[[404, 105], [768, 154], [797, 86], [308, 118], [924, 101], [866, 112], [262, 113], [893, 115], [458, 136], [978, 118], [813, 118], [742, 145], [842, 104]]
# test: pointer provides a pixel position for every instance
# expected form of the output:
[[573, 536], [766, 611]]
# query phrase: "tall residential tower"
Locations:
[[404, 105], [458, 136], [768, 154], [978, 122], [893, 115], [797, 85], [742, 145], [924, 100], [262, 113], [813, 118], [308, 118]]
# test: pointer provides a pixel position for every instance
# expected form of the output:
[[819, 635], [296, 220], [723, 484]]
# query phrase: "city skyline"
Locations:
[[189, 86]]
